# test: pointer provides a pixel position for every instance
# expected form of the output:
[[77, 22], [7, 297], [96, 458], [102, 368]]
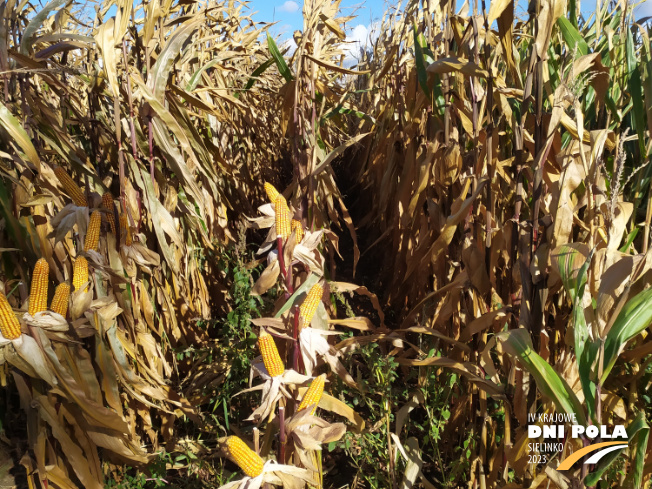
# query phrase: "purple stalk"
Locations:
[[288, 280], [282, 436], [295, 335], [281, 259], [150, 134]]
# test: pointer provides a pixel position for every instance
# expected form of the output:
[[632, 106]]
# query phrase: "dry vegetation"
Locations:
[[462, 237]]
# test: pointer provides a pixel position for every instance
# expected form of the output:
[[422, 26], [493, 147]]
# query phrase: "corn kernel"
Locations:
[[71, 188], [283, 228], [38, 297], [9, 324], [310, 303], [297, 228], [272, 193], [313, 394], [80, 273], [271, 357], [60, 300], [248, 460], [107, 203], [93, 233]]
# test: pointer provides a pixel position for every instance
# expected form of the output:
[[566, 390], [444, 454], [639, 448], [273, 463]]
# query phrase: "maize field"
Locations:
[[232, 261]]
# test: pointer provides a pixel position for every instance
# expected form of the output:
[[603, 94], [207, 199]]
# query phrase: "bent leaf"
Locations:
[[518, 344]]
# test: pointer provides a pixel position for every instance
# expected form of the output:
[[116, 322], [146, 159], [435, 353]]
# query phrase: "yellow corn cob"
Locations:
[[107, 203], [282, 217], [125, 230], [271, 358], [9, 325], [272, 193], [38, 297], [248, 460], [60, 299], [310, 303], [93, 231], [80, 273], [313, 394], [71, 188], [298, 229]]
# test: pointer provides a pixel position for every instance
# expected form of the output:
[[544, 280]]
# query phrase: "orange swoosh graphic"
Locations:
[[568, 462]]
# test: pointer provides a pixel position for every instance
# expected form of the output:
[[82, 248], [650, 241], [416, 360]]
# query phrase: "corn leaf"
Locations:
[[278, 59], [518, 344], [572, 37], [637, 433], [634, 317], [18, 134], [420, 63], [35, 23]]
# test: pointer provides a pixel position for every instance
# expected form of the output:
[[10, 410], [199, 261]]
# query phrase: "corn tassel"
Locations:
[[93, 233], [38, 297], [125, 230], [9, 325], [313, 394], [310, 303], [60, 300], [283, 228], [71, 188], [248, 460], [272, 193], [80, 273], [271, 358], [107, 203], [298, 229]]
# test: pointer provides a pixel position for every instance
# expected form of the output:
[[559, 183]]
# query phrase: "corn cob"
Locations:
[[298, 229], [125, 230], [283, 228], [107, 203], [60, 300], [80, 273], [93, 232], [71, 188], [248, 460], [272, 193], [310, 303], [313, 394], [38, 297], [9, 325], [271, 358]]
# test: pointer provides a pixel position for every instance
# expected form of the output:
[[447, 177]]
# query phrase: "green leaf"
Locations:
[[278, 59], [630, 239], [18, 134], [14, 228], [638, 439], [637, 433], [572, 12], [635, 88], [585, 356], [158, 76], [422, 74], [634, 317], [35, 23], [339, 110], [518, 344], [310, 281], [257, 72], [196, 76], [337, 152], [572, 36], [572, 259]]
